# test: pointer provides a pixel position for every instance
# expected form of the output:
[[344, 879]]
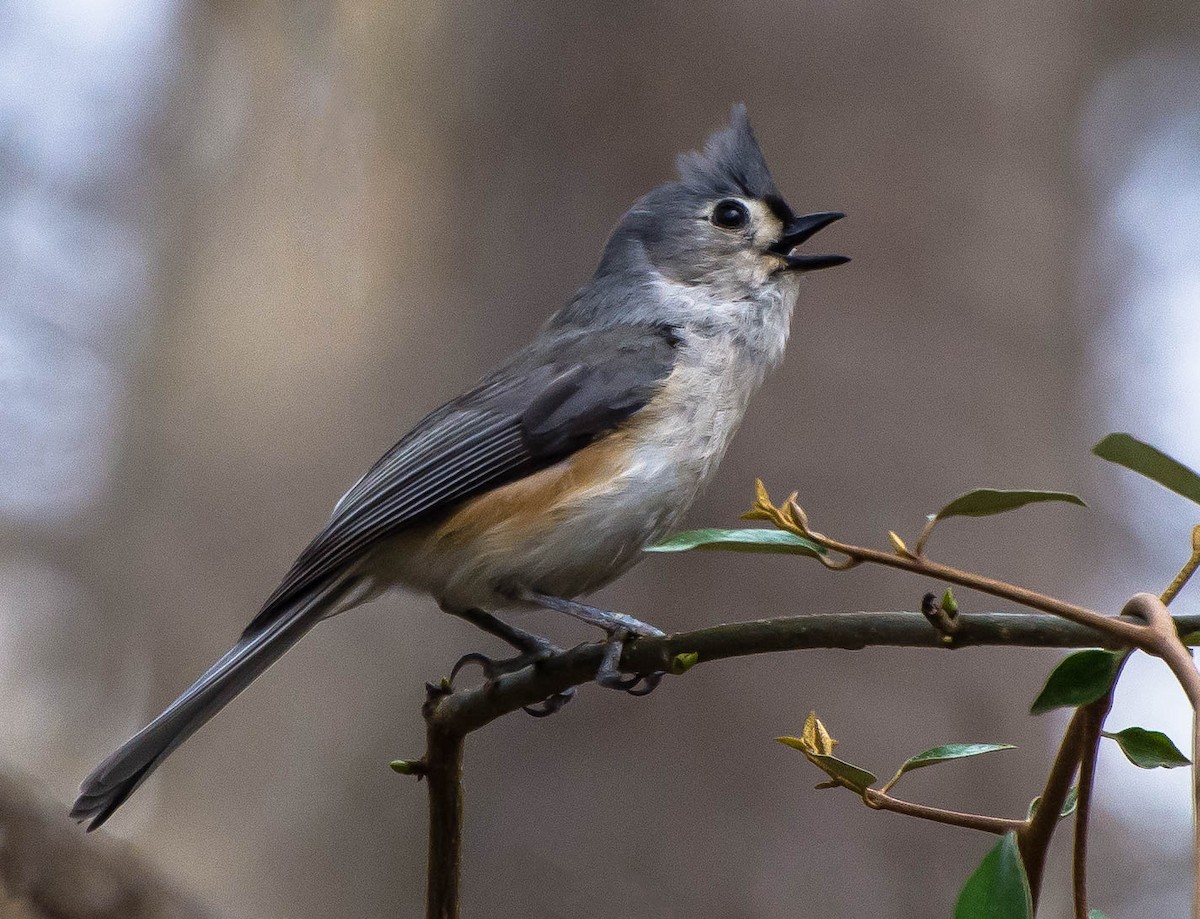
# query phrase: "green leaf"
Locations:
[[1149, 749], [1078, 679], [949, 603], [1126, 450], [857, 778], [1096, 914], [947, 752], [1070, 803], [745, 540], [983, 502], [998, 889]]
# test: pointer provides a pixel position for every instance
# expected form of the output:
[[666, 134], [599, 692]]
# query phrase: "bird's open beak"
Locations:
[[800, 229]]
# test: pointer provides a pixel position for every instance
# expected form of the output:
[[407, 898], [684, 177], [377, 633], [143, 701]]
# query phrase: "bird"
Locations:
[[547, 479]]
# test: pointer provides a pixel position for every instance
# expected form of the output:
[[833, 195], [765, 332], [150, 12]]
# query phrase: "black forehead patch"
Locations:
[[731, 163], [780, 209]]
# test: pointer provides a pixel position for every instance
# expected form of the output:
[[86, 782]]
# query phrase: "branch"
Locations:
[[466, 710], [1094, 725], [442, 766], [881, 801], [451, 714], [1034, 839], [791, 517], [1168, 646]]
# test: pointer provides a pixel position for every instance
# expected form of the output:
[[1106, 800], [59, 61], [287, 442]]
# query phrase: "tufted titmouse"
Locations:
[[546, 480]]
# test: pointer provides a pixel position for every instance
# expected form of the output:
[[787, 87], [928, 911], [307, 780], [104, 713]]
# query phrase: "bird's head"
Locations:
[[722, 225]]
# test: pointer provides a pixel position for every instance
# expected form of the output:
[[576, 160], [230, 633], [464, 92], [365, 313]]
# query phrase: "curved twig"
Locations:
[[1170, 647]]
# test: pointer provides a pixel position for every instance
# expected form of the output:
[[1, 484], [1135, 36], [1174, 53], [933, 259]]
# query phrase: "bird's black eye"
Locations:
[[730, 215]]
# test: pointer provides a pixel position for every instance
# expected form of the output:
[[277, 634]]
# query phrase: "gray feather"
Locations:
[[119, 776], [732, 163]]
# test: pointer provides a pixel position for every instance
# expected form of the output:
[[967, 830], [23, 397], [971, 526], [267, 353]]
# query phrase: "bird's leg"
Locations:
[[524, 641], [619, 627], [532, 648]]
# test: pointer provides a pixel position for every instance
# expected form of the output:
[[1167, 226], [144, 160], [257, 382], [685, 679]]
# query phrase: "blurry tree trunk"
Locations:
[[50, 870]]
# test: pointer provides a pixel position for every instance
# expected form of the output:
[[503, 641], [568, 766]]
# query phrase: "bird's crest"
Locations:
[[730, 164]]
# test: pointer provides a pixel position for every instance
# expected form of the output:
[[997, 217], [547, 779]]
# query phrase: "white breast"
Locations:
[[592, 534]]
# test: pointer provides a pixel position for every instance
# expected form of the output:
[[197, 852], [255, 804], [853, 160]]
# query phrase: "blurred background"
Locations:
[[247, 245]]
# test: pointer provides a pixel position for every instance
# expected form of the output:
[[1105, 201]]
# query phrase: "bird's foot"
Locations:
[[533, 649], [609, 675], [493, 669], [619, 628], [551, 705]]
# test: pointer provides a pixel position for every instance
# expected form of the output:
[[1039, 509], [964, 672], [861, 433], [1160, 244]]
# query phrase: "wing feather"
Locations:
[[539, 408]]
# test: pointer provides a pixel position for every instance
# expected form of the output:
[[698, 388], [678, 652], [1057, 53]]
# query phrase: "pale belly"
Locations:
[[553, 533], [573, 527]]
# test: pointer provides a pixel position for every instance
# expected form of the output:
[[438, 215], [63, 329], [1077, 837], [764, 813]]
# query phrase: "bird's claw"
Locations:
[[609, 673], [650, 683], [494, 669], [641, 684], [616, 681], [551, 705], [486, 664]]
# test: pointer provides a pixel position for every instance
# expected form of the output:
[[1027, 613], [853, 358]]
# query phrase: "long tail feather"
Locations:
[[115, 779]]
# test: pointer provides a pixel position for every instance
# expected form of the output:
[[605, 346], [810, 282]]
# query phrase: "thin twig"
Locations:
[[1196, 813], [879, 800], [1034, 838], [1175, 654], [1094, 724], [443, 771], [1186, 572], [795, 521], [1172, 591]]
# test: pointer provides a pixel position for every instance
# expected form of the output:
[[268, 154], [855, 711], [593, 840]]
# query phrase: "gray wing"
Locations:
[[537, 409]]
